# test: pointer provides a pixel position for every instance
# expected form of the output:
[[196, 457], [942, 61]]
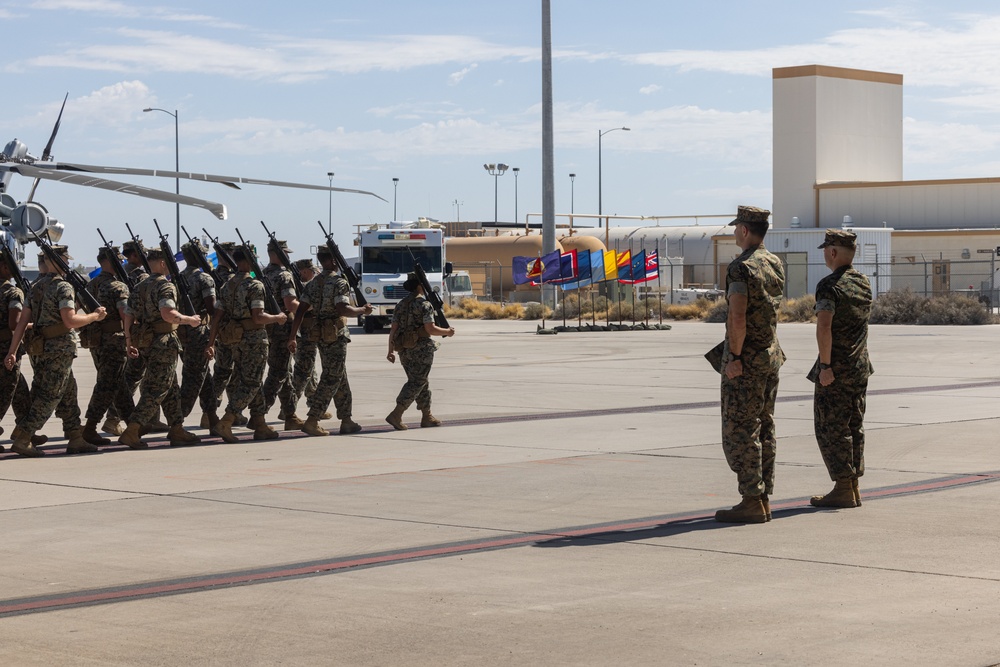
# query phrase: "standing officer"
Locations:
[[106, 342], [13, 388], [755, 282], [52, 311], [278, 384], [153, 309], [196, 379], [843, 307], [238, 322], [328, 297], [410, 334]]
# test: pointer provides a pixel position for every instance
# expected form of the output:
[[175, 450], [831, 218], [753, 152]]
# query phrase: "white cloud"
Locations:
[[456, 77], [650, 89]]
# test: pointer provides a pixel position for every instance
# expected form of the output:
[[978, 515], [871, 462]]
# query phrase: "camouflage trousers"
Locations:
[[159, 387], [278, 384], [304, 372], [196, 380], [839, 416], [417, 363], [14, 391], [248, 358], [333, 384], [222, 371], [53, 389], [748, 437], [109, 361]]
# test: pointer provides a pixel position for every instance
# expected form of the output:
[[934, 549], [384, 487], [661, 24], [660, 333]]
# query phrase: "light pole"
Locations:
[[395, 184], [600, 134], [177, 167], [572, 193], [458, 210], [496, 171], [516, 170], [329, 224]]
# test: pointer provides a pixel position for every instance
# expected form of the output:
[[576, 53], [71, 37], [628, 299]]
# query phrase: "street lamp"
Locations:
[[458, 210], [572, 193], [395, 184], [600, 134], [496, 171], [329, 224], [177, 167], [515, 170]]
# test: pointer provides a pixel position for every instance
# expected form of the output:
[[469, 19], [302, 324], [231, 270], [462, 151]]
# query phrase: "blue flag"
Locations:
[[635, 272], [591, 264]]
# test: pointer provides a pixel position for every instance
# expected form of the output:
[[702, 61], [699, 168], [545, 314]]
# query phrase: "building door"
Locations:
[[941, 283], [796, 273]]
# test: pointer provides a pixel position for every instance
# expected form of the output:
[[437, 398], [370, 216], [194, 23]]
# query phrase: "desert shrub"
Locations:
[[513, 311], [492, 311], [898, 306], [956, 309], [798, 310], [569, 305], [718, 312], [624, 311], [534, 311]]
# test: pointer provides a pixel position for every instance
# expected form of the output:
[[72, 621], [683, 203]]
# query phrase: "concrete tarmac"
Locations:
[[562, 515]]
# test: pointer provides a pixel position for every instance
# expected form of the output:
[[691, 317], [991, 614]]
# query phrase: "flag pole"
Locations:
[[631, 270], [659, 288], [541, 288]]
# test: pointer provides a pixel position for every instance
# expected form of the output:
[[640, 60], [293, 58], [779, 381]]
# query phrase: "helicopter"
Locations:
[[23, 221]]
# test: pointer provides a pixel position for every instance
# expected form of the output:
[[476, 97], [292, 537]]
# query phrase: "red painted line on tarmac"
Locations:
[[247, 577]]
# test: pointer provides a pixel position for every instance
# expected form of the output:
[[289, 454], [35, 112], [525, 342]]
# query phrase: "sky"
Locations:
[[428, 92]]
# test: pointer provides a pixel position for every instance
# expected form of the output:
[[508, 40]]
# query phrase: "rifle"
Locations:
[[121, 275], [345, 270], [87, 300], [138, 250], [271, 303], [15, 270], [183, 289], [202, 261], [221, 253], [274, 247], [433, 297]]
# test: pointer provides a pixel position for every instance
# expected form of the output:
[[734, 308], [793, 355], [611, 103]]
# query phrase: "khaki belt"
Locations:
[[54, 330], [112, 326], [163, 327]]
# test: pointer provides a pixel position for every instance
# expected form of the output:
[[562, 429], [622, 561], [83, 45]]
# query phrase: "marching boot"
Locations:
[[157, 426], [312, 427], [428, 419], [21, 443], [857, 492], [224, 428], [766, 502], [113, 426], [750, 510], [395, 418], [841, 496], [130, 437], [283, 415], [326, 415], [178, 437], [38, 440], [240, 420], [293, 423], [76, 444], [205, 423], [91, 435], [261, 429], [349, 426]]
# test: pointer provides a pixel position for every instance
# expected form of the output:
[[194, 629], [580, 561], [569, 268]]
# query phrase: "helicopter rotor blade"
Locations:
[[34, 171], [230, 181], [47, 153]]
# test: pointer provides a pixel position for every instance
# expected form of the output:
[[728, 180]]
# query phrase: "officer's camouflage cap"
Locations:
[[280, 244], [59, 250], [753, 217], [840, 237], [109, 252], [132, 246], [307, 263], [155, 253]]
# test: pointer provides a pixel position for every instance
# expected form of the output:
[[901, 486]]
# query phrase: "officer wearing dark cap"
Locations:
[[278, 383], [843, 308], [755, 283]]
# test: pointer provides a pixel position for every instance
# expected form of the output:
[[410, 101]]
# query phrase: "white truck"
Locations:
[[386, 254]]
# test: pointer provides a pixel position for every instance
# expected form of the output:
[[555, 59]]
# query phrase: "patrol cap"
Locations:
[[840, 237], [303, 264], [324, 251], [191, 245], [753, 217], [155, 253], [283, 245], [133, 246], [59, 250], [109, 252], [241, 254], [411, 282]]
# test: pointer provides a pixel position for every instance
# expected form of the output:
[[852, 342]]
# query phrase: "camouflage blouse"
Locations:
[[323, 293], [759, 275], [848, 295], [240, 296], [49, 295]]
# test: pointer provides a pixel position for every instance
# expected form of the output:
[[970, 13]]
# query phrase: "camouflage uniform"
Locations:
[[839, 409], [322, 294], [748, 437], [159, 382], [196, 379], [278, 384], [239, 296], [134, 368], [13, 388], [411, 314], [54, 386], [222, 370], [108, 350]]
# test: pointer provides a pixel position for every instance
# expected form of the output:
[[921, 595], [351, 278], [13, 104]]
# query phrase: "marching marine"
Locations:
[[13, 388], [196, 378], [278, 384]]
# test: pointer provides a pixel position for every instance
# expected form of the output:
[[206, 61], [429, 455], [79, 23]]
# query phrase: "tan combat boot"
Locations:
[[157, 426], [857, 492], [766, 502], [841, 496], [326, 415], [38, 440], [130, 437], [349, 426], [91, 435], [283, 415], [178, 437], [261, 429], [77, 445], [240, 419], [209, 420], [224, 428], [113, 426], [428, 419], [21, 444], [312, 427], [395, 418], [750, 510], [293, 423]]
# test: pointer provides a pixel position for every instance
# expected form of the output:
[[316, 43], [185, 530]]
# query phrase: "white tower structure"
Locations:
[[832, 124]]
